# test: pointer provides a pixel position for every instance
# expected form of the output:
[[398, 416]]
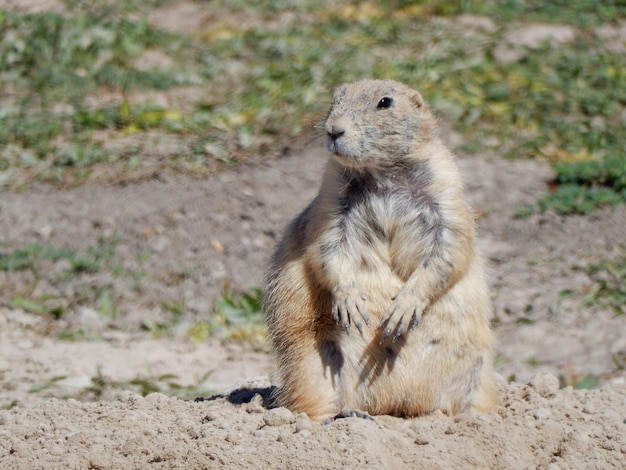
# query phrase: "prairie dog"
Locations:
[[376, 298]]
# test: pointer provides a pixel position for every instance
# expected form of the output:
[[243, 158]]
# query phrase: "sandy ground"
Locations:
[[538, 426], [221, 230]]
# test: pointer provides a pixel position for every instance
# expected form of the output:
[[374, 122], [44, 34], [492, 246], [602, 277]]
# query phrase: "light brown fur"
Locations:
[[376, 298]]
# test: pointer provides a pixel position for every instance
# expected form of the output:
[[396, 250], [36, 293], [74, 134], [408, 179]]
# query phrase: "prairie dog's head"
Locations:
[[376, 123]]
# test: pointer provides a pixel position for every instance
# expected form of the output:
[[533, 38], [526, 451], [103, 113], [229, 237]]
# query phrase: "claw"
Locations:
[[364, 315], [346, 325], [414, 321], [385, 334], [398, 333], [359, 326]]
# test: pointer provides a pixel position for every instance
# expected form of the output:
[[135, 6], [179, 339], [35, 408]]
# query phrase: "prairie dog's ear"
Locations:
[[416, 98]]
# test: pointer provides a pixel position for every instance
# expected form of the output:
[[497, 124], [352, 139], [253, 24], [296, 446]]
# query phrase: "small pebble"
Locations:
[[545, 384], [589, 408], [56, 450], [278, 417], [542, 413], [303, 423], [217, 246], [452, 429], [156, 397]]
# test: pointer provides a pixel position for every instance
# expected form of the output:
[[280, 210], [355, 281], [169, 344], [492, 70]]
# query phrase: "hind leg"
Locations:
[[310, 379], [299, 322]]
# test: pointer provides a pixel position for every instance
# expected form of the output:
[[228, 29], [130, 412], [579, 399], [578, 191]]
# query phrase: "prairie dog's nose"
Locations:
[[335, 131]]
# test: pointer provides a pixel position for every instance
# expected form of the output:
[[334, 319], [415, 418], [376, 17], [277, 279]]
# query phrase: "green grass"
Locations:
[[57, 279], [581, 187], [234, 318], [57, 57], [167, 384], [52, 66], [260, 86], [102, 386], [582, 13], [91, 260], [609, 288]]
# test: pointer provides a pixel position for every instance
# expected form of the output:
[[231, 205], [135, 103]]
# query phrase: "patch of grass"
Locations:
[[60, 279], [239, 319], [582, 13], [578, 381], [103, 387], [168, 384], [64, 57], [581, 187], [568, 111], [42, 305], [91, 260], [176, 311], [26, 258], [47, 384], [609, 289], [54, 67], [233, 318], [9, 406], [587, 382], [533, 361], [126, 118]]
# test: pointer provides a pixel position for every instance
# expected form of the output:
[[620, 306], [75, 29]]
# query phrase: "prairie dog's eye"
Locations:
[[384, 103]]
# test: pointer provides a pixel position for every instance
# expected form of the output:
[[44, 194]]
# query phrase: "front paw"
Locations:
[[349, 307], [404, 314]]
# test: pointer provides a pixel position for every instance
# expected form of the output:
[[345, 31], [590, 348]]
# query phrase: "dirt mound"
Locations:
[[537, 426]]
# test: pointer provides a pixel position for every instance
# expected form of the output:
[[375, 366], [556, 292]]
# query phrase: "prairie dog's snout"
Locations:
[[334, 131], [336, 127]]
